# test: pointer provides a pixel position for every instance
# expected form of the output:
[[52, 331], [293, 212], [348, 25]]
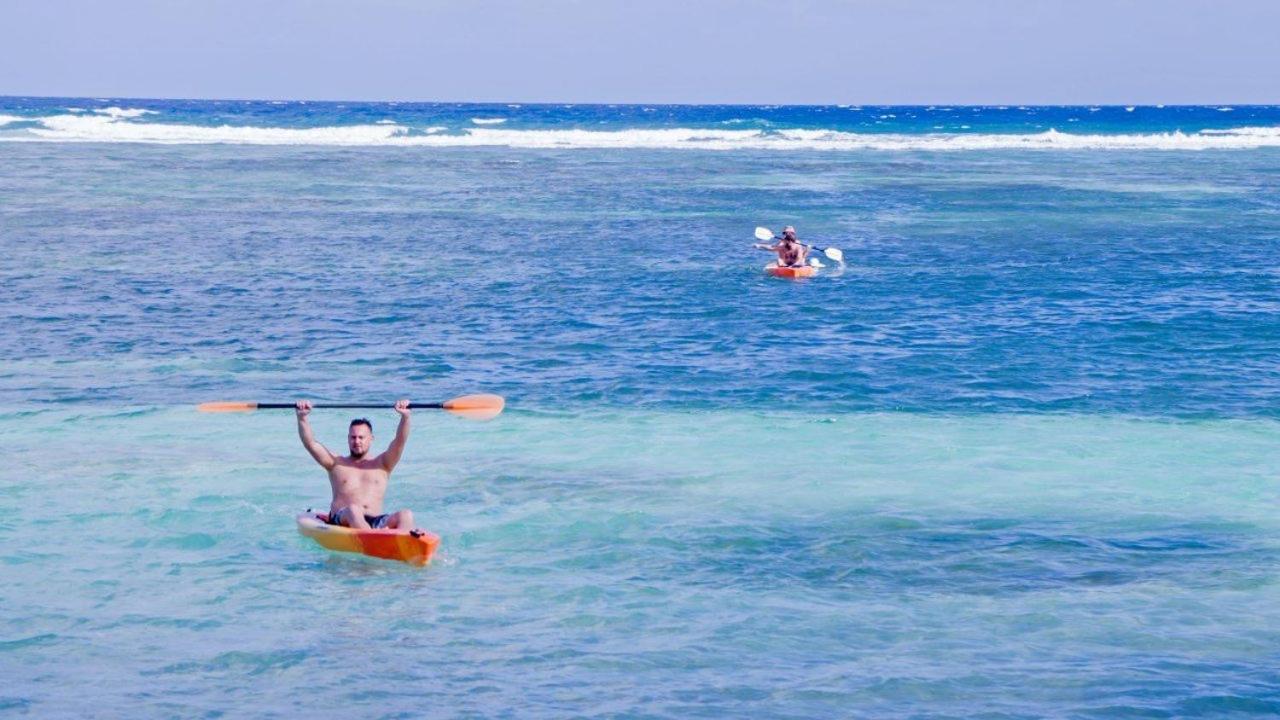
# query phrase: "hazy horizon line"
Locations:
[[628, 103]]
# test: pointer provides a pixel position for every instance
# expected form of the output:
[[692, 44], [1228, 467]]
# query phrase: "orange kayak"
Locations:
[[791, 272], [411, 546]]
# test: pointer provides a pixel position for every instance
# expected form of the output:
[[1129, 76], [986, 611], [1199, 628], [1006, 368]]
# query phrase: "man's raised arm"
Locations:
[[318, 451], [396, 448]]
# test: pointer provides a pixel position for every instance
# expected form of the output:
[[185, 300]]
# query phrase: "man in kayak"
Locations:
[[359, 482], [791, 253]]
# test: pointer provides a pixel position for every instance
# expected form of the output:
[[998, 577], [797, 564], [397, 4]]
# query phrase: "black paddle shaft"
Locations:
[[291, 406], [815, 247]]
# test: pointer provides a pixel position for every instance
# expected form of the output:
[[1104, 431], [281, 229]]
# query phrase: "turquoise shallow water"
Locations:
[[1017, 460], [654, 563]]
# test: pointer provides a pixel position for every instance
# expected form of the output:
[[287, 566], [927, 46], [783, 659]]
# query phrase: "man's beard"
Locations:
[[358, 455]]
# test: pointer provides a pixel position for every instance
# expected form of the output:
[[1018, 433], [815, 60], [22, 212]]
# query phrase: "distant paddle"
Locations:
[[763, 233], [471, 407]]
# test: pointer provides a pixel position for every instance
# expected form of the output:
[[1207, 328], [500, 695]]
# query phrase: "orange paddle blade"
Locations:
[[476, 407], [227, 407]]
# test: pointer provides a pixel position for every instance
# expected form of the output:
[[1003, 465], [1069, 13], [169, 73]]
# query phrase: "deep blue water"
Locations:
[[1017, 459]]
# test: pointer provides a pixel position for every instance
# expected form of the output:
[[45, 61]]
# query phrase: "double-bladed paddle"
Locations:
[[471, 407], [763, 233]]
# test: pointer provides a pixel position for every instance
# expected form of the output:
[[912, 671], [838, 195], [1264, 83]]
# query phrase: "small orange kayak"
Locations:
[[411, 546], [802, 271]]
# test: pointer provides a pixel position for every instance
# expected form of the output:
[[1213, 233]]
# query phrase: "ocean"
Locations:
[[1016, 459]]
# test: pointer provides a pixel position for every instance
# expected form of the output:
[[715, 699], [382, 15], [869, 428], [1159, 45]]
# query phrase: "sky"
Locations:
[[648, 51]]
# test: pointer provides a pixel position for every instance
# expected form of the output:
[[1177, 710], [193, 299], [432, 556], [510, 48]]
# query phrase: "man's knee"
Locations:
[[404, 519]]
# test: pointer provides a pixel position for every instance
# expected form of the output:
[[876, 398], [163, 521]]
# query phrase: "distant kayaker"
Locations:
[[359, 482], [791, 253]]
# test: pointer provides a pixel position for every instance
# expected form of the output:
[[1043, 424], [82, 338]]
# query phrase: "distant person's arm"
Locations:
[[392, 456], [318, 451]]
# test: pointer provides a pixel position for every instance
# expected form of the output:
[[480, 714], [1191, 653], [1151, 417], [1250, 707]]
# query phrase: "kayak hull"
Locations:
[[408, 546], [803, 271]]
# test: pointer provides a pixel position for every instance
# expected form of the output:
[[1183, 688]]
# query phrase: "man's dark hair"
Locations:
[[361, 421]]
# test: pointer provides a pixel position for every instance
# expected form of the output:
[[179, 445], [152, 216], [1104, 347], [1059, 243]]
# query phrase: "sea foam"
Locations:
[[121, 113], [114, 125], [111, 128]]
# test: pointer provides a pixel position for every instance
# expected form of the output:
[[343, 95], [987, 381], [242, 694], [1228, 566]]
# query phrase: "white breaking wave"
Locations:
[[106, 127], [6, 119], [1259, 132], [124, 113], [113, 129], [488, 121]]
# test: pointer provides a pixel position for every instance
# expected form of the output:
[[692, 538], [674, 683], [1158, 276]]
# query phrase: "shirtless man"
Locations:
[[359, 482], [791, 253]]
